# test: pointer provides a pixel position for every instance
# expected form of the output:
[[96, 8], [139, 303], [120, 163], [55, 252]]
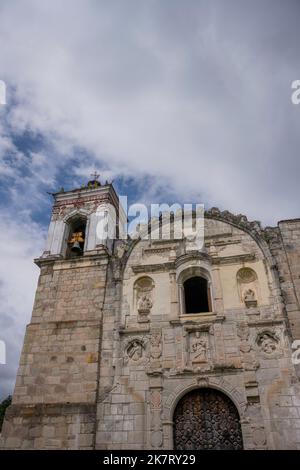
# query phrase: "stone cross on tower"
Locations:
[[95, 176]]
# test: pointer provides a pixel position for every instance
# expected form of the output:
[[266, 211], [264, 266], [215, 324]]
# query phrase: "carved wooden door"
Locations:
[[206, 419]]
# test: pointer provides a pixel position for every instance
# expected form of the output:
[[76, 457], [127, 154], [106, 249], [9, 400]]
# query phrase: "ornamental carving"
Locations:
[[259, 436], [156, 344], [199, 349], [268, 342], [246, 275], [135, 350], [243, 332], [155, 399], [249, 361], [156, 435]]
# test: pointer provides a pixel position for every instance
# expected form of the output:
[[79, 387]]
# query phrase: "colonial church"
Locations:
[[153, 344]]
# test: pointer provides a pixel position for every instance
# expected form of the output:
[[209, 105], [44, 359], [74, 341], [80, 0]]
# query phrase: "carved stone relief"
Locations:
[[259, 436], [155, 355], [249, 361], [156, 434], [268, 342], [134, 350], [246, 275], [198, 350], [156, 344]]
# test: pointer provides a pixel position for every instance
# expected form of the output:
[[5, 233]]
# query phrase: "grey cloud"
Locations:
[[200, 92]]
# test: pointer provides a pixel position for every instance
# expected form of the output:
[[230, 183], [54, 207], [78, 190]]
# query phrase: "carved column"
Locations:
[[178, 347], [155, 411]]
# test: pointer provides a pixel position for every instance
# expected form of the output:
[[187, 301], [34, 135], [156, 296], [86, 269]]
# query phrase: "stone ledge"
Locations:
[[87, 260]]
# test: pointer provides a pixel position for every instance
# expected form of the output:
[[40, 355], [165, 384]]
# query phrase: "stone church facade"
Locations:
[[151, 344]]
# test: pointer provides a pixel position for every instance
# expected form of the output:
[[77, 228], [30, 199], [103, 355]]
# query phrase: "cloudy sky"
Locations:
[[176, 100]]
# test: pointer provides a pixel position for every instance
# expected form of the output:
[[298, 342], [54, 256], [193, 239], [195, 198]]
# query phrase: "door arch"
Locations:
[[206, 418]]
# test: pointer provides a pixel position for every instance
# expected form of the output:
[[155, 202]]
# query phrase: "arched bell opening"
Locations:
[[76, 235]]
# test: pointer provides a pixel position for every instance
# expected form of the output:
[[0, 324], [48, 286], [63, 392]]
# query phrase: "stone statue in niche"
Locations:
[[267, 344], [250, 298], [248, 287], [199, 349], [144, 304], [143, 295], [135, 350]]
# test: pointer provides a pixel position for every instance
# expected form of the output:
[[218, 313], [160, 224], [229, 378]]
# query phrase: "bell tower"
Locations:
[[54, 401], [78, 221]]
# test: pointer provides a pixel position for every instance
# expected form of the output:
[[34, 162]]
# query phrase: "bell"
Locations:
[[76, 247]]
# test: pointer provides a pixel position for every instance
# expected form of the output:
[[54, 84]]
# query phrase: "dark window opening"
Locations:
[[76, 239], [197, 295]]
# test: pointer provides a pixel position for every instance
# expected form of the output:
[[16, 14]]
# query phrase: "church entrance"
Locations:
[[206, 419]]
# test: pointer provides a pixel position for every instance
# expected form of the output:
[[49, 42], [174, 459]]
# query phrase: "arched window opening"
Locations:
[[76, 238], [197, 295]]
